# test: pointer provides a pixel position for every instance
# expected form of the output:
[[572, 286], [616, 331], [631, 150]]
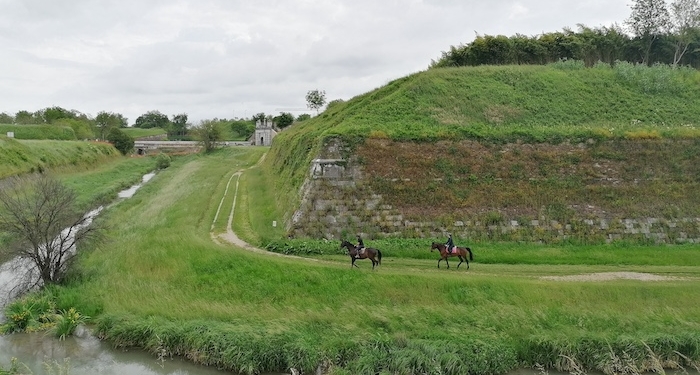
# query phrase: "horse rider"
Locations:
[[449, 244], [360, 246]]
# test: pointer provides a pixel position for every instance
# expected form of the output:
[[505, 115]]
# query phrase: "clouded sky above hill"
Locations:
[[235, 58]]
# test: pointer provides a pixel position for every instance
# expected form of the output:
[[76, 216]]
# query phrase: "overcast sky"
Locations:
[[235, 58]]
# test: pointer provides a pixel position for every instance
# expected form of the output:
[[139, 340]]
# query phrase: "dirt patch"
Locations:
[[606, 276]]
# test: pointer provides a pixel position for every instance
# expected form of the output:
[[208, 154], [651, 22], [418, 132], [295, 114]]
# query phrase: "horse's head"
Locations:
[[346, 244], [434, 246]]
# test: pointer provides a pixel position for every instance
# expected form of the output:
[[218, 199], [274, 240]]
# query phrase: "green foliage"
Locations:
[[303, 117], [136, 133], [283, 120], [152, 119], [162, 161], [243, 129], [121, 141], [19, 156], [64, 322], [29, 314], [209, 133], [315, 99], [55, 132]]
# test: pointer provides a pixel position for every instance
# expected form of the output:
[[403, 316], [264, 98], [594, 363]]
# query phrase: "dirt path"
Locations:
[[606, 276], [230, 237]]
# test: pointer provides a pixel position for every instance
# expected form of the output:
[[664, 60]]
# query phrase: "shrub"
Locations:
[[66, 321], [121, 141], [162, 161]]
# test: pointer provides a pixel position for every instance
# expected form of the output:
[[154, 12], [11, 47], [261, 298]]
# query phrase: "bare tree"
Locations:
[[685, 19], [41, 218]]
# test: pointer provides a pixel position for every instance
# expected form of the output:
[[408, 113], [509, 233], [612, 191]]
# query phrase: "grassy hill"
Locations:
[[513, 142], [22, 156]]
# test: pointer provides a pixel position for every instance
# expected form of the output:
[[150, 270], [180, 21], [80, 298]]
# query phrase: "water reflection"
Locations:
[[128, 193], [43, 355]]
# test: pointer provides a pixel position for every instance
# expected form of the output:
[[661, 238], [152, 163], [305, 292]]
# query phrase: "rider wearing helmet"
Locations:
[[360, 246], [449, 244]]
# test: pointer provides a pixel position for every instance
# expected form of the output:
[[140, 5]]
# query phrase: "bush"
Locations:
[[162, 161], [66, 321], [121, 141]]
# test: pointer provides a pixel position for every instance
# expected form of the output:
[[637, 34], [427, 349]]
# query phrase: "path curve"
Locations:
[[230, 237]]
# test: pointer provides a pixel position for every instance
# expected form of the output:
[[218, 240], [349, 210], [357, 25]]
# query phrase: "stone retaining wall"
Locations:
[[338, 202]]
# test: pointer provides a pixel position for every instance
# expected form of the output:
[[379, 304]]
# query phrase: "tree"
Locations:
[[6, 118], [303, 117], [52, 114], [283, 120], [105, 121], [315, 99], [178, 126], [25, 118], [121, 141], [209, 134], [40, 215], [259, 117], [243, 128], [649, 20], [152, 119], [685, 19]]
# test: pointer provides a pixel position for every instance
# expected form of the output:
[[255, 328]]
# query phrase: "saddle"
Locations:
[[451, 250]]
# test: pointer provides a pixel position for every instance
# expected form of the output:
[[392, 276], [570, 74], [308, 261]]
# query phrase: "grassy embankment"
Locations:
[[65, 133], [139, 133], [515, 143], [249, 312]]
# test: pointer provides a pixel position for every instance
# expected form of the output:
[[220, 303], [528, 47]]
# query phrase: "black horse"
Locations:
[[368, 253]]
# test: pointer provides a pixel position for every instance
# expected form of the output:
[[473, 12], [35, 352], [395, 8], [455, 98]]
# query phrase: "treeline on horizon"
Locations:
[[590, 45], [659, 33], [177, 127]]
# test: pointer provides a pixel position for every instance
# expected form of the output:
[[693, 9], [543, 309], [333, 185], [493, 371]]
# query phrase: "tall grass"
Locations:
[[162, 284], [64, 133], [27, 156]]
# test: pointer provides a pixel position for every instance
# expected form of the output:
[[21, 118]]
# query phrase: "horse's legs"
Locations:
[[439, 260], [448, 263], [353, 262], [460, 261]]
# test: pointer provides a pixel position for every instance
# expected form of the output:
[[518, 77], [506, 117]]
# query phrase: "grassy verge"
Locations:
[[139, 133], [252, 313], [27, 156]]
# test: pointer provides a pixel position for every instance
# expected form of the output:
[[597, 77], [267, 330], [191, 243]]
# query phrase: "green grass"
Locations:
[[499, 105], [27, 156], [55, 132], [139, 133], [248, 312]]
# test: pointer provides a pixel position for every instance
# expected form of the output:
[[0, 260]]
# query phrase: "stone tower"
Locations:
[[264, 132]]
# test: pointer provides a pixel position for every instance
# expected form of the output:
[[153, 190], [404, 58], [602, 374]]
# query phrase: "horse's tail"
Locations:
[[379, 257], [471, 256]]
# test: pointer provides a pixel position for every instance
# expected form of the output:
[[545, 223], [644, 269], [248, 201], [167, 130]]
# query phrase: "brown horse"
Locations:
[[460, 252], [373, 254]]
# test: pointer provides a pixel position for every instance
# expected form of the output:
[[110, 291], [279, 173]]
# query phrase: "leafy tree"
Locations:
[[121, 141], [315, 99], [45, 226], [649, 20], [685, 20], [283, 120], [53, 114], [152, 119], [259, 117], [243, 128], [178, 126], [6, 118], [303, 117], [25, 118], [83, 129], [209, 134], [105, 121]]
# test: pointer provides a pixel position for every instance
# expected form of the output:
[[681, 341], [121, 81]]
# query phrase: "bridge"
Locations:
[[145, 147]]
